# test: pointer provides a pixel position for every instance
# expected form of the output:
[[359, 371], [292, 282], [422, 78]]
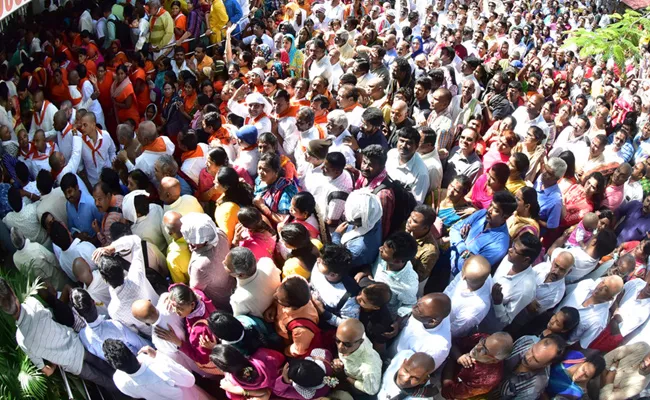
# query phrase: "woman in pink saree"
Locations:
[[488, 184], [580, 199], [247, 377]]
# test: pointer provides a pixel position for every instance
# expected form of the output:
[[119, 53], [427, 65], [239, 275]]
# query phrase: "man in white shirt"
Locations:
[[394, 268], [550, 288], [193, 157], [429, 154], [125, 288], [307, 132], [98, 151], [633, 311], [407, 373], [146, 218], [49, 344], [86, 22], [339, 185], [586, 260], [67, 250], [348, 101], [150, 375], [428, 328], [152, 145], [405, 165], [318, 63], [256, 282], [337, 129], [159, 316], [89, 93], [592, 300], [61, 167], [43, 116], [470, 297], [258, 32], [34, 260], [93, 283], [335, 10], [531, 115], [63, 132], [98, 329], [285, 115], [514, 283]]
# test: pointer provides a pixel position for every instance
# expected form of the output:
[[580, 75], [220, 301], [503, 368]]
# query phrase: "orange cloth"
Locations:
[[104, 87], [118, 59], [291, 111], [180, 22], [125, 113], [196, 153], [59, 93], [142, 97], [157, 146], [91, 68]]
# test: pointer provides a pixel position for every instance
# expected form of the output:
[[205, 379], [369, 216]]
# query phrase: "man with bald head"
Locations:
[[407, 377], [60, 165], [178, 252], [63, 132], [98, 150], [529, 115], [476, 365], [623, 267], [170, 194], [359, 365], [399, 118], [592, 300], [470, 298], [428, 328], [526, 369], [128, 142], [93, 283], [152, 146], [440, 118], [158, 315], [43, 115], [550, 290]]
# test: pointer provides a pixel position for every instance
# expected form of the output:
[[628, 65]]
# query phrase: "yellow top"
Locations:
[[293, 266], [178, 260], [226, 218], [218, 20]]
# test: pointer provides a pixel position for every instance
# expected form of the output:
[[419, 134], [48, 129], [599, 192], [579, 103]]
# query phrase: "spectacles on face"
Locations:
[[346, 344], [482, 349]]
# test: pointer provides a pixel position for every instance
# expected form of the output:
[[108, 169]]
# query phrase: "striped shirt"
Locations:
[[523, 386], [41, 338]]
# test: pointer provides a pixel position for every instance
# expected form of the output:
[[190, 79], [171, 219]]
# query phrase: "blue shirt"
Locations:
[[234, 11], [185, 187], [635, 222], [627, 150], [550, 204], [364, 248], [82, 218], [491, 243]]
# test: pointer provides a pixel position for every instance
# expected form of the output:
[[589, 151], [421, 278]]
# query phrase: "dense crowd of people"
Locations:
[[327, 200]]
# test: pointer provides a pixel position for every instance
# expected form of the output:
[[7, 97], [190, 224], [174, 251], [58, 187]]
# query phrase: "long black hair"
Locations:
[[237, 191], [297, 236]]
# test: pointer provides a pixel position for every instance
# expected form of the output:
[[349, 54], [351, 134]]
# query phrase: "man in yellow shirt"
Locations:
[[178, 253]]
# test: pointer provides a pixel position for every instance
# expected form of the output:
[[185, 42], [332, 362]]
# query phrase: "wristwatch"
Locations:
[[612, 368]]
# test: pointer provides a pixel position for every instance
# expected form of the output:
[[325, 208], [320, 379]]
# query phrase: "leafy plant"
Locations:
[[619, 40], [19, 378]]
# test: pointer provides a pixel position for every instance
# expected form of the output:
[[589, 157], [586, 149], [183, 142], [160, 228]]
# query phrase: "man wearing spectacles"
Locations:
[[359, 365], [478, 367]]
